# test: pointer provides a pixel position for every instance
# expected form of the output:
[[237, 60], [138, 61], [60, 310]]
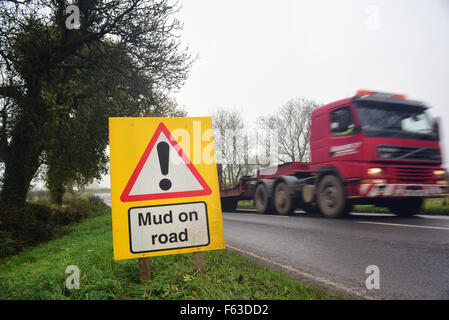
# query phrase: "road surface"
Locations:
[[411, 254]]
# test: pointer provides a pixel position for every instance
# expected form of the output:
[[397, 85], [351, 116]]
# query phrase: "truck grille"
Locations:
[[408, 153], [413, 174]]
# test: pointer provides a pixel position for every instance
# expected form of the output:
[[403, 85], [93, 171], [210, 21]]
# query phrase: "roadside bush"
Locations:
[[8, 246], [21, 227], [67, 196], [28, 225]]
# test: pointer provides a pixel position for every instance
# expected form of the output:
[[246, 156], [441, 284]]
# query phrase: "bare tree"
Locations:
[[290, 128], [231, 145]]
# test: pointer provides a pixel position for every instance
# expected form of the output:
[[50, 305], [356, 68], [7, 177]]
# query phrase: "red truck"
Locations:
[[373, 148]]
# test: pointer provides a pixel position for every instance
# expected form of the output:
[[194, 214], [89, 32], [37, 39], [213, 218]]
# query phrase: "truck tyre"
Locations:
[[283, 202], [405, 207], [331, 197], [261, 199], [229, 204]]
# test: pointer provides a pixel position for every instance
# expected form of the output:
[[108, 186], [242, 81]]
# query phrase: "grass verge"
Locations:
[[35, 222], [437, 206], [39, 273]]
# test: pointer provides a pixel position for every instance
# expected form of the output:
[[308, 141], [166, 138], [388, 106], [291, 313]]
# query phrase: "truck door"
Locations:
[[345, 141]]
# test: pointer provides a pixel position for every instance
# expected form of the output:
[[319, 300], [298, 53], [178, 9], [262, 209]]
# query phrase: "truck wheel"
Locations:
[[283, 203], [229, 204], [261, 199], [406, 207], [331, 198]]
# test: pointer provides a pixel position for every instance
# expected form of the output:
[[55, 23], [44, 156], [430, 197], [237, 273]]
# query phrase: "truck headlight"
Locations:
[[375, 172], [440, 173]]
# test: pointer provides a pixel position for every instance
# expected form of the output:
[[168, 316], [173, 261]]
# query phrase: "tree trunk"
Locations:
[[56, 194], [55, 183], [17, 178], [23, 156], [21, 164]]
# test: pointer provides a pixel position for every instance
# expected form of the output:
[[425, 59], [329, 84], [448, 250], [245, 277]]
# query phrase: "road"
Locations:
[[412, 254]]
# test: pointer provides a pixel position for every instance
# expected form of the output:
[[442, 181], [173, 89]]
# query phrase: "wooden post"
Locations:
[[144, 270], [199, 260]]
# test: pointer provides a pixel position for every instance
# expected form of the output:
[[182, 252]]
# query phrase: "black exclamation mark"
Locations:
[[163, 152]]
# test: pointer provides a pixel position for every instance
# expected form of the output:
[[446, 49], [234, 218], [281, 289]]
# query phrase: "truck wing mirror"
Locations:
[[436, 126]]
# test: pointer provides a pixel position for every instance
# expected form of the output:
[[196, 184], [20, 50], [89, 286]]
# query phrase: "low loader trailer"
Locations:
[[372, 148]]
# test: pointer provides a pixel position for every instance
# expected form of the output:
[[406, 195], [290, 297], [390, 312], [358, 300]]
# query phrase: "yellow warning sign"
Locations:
[[164, 187]]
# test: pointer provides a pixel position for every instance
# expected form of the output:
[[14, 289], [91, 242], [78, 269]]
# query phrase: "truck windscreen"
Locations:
[[395, 120]]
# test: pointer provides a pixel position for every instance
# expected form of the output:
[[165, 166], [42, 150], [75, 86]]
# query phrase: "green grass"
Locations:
[[431, 206], [39, 273], [246, 204]]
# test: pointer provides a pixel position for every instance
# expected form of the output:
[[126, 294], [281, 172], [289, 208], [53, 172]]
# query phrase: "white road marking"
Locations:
[[404, 225], [327, 282], [243, 214]]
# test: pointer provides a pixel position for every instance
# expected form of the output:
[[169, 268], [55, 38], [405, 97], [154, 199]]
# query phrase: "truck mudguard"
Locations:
[[268, 183], [291, 181], [328, 170]]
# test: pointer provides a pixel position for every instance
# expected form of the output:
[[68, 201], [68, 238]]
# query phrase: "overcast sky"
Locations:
[[254, 55]]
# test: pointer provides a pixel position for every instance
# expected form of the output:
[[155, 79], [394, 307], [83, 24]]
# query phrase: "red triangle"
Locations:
[[126, 197]]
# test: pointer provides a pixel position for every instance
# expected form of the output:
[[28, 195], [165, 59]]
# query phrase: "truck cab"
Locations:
[[382, 148], [373, 148]]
